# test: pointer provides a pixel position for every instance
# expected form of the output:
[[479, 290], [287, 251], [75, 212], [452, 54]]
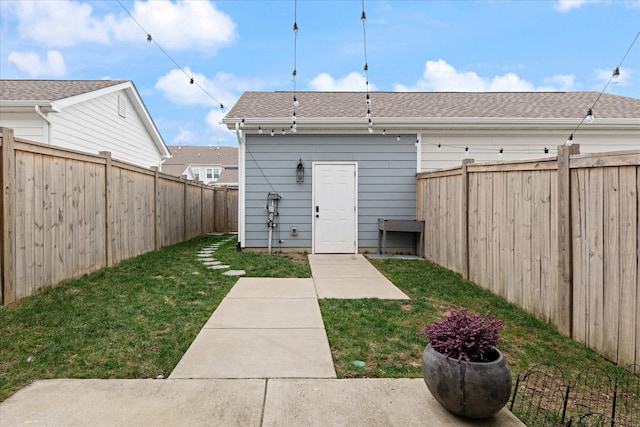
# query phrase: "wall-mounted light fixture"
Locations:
[[300, 171]]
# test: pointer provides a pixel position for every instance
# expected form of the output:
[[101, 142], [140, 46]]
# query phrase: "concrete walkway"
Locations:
[[262, 359]]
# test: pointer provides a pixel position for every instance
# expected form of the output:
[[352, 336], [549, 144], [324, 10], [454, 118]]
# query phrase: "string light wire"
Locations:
[[616, 73], [294, 126], [363, 18], [150, 39]]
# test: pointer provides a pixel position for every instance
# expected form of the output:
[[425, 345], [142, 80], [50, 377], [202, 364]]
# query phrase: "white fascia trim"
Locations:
[[407, 124]]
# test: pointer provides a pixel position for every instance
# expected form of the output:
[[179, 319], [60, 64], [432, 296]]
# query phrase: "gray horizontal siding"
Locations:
[[386, 184]]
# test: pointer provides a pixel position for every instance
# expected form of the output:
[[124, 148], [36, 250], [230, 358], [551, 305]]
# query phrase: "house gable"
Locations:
[[85, 116]]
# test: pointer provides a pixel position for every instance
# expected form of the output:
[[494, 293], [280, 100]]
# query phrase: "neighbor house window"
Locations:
[[209, 173], [216, 173], [196, 173]]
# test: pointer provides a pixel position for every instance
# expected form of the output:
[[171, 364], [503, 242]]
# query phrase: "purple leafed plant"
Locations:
[[464, 335]]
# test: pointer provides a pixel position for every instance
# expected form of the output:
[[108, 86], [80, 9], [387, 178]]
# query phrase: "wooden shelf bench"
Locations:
[[401, 225]]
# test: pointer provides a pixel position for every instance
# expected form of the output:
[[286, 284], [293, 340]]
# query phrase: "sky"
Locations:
[[232, 46]]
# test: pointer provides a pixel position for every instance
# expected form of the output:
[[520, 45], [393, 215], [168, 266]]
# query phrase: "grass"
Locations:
[[382, 333], [133, 320], [136, 319]]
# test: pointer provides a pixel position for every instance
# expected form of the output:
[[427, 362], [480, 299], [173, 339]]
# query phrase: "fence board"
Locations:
[[518, 213], [67, 213], [611, 282], [580, 255]]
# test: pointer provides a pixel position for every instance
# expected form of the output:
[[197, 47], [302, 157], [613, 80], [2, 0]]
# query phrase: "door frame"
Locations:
[[313, 201]]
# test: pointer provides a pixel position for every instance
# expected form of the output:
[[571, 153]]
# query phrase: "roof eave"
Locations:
[[426, 123]]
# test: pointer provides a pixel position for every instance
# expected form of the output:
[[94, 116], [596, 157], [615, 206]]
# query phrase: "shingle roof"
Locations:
[[50, 90], [344, 105], [183, 156]]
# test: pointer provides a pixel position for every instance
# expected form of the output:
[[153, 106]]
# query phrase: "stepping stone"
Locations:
[[204, 255], [234, 273], [218, 267], [207, 259], [212, 263]]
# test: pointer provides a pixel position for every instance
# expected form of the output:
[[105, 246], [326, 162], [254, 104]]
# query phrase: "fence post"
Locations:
[[185, 209], [8, 219], [108, 250], [202, 211], [564, 307], [226, 209], [465, 218], [156, 208]]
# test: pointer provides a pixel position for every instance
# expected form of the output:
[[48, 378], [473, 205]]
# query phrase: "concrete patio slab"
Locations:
[[336, 259], [135, 403], [266, 287], [353, 288], [257, 353], [344, 270], [363, 402], [266, 313]]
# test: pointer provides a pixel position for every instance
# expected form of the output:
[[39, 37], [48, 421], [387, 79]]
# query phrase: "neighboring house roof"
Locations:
[[228, 177], [183, 156], [423, 108], [55, 95]]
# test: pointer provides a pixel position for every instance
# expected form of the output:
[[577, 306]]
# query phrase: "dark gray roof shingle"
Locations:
[[50, 90], [344, 105]]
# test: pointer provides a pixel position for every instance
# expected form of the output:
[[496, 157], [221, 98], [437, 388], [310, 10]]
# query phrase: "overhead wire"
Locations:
[[615, 73], [150, 39]]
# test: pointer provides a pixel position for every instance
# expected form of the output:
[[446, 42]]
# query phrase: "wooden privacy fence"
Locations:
[[66, 214], [559, 237]]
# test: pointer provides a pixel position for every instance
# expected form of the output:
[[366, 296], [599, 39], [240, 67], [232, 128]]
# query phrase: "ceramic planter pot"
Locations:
[[472, 390]]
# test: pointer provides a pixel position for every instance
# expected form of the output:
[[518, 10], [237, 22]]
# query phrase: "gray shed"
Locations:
[[323, 186]]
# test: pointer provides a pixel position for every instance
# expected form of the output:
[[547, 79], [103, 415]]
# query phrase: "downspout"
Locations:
[[241, 186], [49, 124]]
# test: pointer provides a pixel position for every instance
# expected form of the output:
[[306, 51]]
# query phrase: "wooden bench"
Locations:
[[401, 225]]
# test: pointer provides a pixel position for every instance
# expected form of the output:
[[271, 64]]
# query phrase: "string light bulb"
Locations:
[[501, 152], [439, 147], [384, 131], [589, 117], [569, 141], [273, 132], [466, 151], [149, 38], [295, 101], [259, 130], [294, 127], [283, 131], [546, 150], [191, 80], [370, 126], [616, 75], [242, 123]]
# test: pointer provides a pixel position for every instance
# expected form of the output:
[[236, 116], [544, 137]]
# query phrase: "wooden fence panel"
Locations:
[[66, 214], [569, 257]]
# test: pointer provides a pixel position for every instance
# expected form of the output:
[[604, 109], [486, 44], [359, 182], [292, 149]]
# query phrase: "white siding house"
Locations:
[[88, 116], [411, 132]]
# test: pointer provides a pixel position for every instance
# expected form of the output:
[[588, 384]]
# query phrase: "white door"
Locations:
[[334, 208]]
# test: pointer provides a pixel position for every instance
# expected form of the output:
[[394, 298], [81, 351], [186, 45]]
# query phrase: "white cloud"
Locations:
[[177, 87], [31, 63], [352, 82], [603, 76], [179, 25], [174, 25], [217, 131], [184, 136], [563, 82], [440, 76], [59, 23]]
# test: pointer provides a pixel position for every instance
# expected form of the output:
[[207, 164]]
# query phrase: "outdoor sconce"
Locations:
[[300, 171]]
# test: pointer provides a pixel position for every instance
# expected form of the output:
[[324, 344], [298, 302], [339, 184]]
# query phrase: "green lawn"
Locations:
[[136, 319]]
